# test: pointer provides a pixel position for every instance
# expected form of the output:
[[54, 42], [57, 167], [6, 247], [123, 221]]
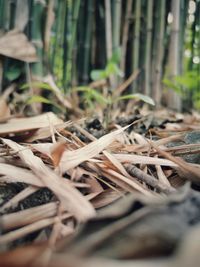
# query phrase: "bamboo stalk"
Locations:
[[2, 13], [136, 39], [125, 34], [116, 30], [160, 53], [49, 22], [174, 100], [65, 43], [116, 23], [69, 74], [57, 33], [108, 29], [148, 47], [36, 35], [88, 39]]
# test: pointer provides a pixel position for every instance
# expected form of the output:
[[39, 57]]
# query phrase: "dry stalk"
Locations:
[[148, 179]]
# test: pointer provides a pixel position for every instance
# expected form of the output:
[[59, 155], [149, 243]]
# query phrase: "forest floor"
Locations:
[[79, 193]]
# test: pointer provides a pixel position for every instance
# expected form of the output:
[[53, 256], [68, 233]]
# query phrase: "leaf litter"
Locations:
[[125, 195]]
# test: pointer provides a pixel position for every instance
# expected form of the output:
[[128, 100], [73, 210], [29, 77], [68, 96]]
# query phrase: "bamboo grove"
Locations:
[[158, 39]]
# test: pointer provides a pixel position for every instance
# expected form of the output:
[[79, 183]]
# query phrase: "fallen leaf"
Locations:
[[15, 44]]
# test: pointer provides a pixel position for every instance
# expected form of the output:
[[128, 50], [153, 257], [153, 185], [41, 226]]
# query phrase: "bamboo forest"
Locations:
[[99, 133]]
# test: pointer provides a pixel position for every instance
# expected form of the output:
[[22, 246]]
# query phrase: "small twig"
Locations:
[[123, 86], [148, 179]]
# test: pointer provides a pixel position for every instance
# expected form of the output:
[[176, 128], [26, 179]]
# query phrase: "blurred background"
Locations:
[[155, 43]]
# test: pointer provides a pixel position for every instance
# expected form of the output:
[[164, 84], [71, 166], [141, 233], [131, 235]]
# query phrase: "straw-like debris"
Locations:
[[47, 157]]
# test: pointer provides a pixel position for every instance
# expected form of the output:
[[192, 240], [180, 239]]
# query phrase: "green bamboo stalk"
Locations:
[[2, 14], [157, 90], [88, 39], [148, 48], [125, 34], [48, 25], [6, 16], [108, 29], [65, 42], [76, 7], [117, 7], [81, 39], [174, 100], [59, 7], [12, 14], [136, 40], [109, 43], [116, 29], [193, 39], [36, 35], [183, 19], [2, 21]]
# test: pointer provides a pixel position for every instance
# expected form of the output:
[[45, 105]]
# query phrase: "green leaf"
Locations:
[[92, 94], [116, 56], [173, 85], [190, 80], [40, 85], [99, 97], [138, 96], [113, 69], [38, 99], [98, 75]]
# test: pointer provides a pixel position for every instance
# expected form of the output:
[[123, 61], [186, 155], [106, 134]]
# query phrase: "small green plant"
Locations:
[[188, 83], [91, 96], [110, 69], [34, 98]]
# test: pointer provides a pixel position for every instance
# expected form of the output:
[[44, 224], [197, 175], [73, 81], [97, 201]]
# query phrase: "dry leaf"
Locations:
[[28, 124], [71, 199], [15, 44], [4, 109], [57, 152], [71, 159]]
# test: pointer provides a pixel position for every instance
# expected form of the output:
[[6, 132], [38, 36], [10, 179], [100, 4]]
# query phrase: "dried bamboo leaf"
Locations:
[[186, 170], [17, 174], [19, 197], [15, 234], [28, 124], [71, 159], [4, 109], [124, 182], [15, 44], [138, 159], [27, 216], [71, 198]]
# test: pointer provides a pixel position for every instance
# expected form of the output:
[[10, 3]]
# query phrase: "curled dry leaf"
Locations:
[[15, 44]]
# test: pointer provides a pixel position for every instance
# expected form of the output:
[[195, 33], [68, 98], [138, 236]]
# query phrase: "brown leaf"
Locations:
[[71, 199], [4, 109], [15, 44], [31, 123], [57, 151], [71, 159]]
